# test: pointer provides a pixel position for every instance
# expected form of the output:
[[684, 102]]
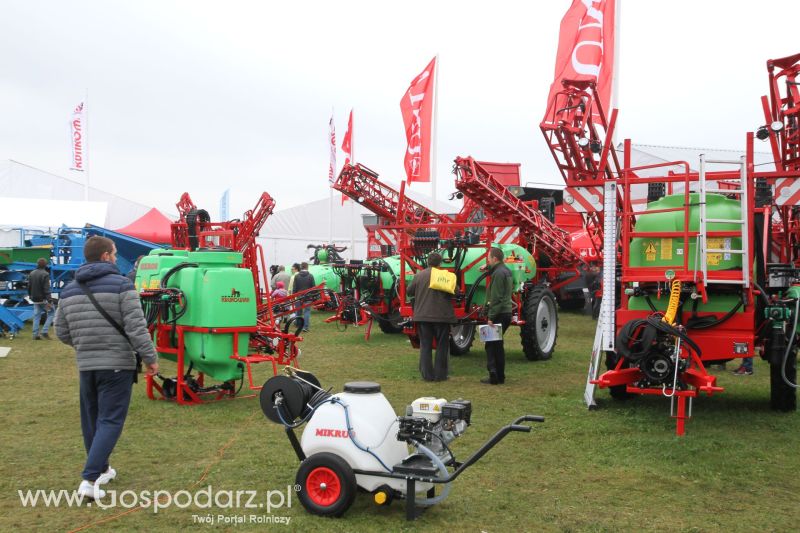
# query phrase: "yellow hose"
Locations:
[[674, 301]]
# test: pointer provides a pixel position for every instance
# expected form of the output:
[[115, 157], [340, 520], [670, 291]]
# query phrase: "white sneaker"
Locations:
[[107, 476], [87, 489]]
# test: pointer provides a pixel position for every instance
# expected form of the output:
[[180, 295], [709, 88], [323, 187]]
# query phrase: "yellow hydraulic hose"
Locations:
[[674, 301]]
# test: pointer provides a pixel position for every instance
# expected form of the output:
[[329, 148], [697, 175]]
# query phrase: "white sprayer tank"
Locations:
[[374, 425]]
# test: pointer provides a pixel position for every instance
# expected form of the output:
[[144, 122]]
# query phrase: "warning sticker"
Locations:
[[713, 259], [650, 251], [666, 248]]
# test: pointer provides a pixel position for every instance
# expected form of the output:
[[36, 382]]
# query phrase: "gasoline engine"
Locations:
[[354, 440]]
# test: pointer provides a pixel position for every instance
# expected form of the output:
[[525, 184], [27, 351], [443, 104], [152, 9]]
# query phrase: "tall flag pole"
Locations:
[[331, 175], [416, 106], [347, 148], [78, 136]]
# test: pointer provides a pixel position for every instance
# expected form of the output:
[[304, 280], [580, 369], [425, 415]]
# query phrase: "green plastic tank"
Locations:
[[218, 293], [669, 252]]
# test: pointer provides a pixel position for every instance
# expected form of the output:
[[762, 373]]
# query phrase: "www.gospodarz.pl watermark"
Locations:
[[205, 498]]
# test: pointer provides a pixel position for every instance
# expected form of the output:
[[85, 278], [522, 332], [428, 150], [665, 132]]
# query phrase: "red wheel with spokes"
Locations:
[[327, 484]]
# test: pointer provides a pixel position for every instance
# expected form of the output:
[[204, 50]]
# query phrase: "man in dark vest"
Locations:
[[433, 314]]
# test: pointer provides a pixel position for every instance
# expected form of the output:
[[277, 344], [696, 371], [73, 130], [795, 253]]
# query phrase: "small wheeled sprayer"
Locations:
[[354, 439]]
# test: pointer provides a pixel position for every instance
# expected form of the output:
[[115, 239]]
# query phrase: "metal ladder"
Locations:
[[606, 324], [744, 225]]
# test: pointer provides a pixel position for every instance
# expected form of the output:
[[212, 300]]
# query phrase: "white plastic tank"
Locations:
[[374, 424]]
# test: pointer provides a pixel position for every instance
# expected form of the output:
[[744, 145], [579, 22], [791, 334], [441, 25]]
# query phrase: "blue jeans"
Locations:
[[38, 309], [747, 363], [105, 397], [307, 317]]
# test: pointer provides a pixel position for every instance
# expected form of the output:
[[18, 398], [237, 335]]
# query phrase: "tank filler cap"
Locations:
[[362, 387]]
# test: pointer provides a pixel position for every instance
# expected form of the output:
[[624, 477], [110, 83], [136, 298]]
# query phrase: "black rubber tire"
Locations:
[[540, 331], [461, 338], [572, 304], [783, 397], [618, 392], [346, 480], [389, 322]]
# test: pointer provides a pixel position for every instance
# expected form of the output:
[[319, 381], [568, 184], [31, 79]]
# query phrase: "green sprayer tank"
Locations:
[[218, 294], [669, 252]]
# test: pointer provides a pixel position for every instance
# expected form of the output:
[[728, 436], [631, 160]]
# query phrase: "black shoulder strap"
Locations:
[[102, 311]]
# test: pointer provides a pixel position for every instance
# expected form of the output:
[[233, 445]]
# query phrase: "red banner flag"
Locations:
[[586, 47], [347, 142], [417, 109]]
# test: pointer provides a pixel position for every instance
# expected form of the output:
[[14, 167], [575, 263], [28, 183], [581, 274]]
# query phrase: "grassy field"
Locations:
[[619, 468]]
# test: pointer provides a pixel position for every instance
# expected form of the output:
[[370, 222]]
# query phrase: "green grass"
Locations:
[[619, 468]]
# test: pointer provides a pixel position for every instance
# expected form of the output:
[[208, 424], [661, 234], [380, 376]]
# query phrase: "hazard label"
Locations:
[[713, 259], [650, 251], [666, 248]]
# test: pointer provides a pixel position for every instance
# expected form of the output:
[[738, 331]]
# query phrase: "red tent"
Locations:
[[153, 226]]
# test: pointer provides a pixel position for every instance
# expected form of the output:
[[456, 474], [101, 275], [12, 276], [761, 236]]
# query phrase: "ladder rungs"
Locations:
[[726, 191], [731, 281], [724, 161], [725, 221], [722, 251]]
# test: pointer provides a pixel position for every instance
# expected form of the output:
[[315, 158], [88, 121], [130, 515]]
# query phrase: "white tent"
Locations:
[[18, 180]]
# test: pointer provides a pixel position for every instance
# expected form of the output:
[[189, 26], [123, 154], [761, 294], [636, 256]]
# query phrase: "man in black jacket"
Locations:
[[433, 314], [39, 292], [304, 280]]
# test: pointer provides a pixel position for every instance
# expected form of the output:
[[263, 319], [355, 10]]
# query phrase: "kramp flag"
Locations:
[[417, 109]]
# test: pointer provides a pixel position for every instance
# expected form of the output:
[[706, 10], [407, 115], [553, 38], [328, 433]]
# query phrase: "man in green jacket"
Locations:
[[498, 309]]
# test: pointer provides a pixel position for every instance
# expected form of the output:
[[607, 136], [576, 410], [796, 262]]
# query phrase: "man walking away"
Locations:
[[433, 314], [498, 309], [105, 356], [39, 292], [304, 280], [280, 276]]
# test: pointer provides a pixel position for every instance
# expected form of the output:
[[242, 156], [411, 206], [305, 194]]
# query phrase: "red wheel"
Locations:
[[327, 484], [323, 486]]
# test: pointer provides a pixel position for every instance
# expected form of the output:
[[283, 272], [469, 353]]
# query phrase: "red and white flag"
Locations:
[[586, 48], [332, 167], [417, 109], [347, 142], [77, 127]]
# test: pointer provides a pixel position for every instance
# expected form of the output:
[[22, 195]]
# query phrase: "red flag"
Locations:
[[586, 47], [417, 109], [347, 142]]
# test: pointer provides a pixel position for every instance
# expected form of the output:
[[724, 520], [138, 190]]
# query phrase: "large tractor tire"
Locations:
[[461, 337], [540, 331], [783, 397], [390, 323], [327, 485]]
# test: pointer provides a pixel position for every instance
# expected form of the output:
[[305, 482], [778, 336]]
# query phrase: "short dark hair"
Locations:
[[434, 259], [96, 246], [42, 262], [303, 266], [497, 253], [296, 266]]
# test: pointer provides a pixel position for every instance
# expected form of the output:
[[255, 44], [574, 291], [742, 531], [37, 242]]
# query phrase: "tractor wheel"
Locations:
[[540, 330], [327, 485], [618, 392], [572, 304], [390, 323], [783, 397], [461, 337]]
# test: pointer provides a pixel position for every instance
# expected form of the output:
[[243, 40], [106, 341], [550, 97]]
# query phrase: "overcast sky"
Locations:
[[203, 96]]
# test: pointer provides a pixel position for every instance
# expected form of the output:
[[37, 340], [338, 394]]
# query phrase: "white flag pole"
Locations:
[[434, 132], [85, 141], [330, 188], [352, 207]]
